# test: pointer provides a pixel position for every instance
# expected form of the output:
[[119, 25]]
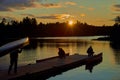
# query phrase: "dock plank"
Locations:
[[44, 67]]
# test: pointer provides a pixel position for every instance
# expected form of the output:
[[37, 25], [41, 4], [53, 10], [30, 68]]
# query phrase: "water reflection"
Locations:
[[34, 43], [116, 49], [115, 46], [90, 66], [44, 48], [68, 45]]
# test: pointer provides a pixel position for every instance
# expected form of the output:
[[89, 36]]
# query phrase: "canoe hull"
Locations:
[[5, 49]]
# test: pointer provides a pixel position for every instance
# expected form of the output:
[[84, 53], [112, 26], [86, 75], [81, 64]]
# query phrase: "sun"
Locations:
[[70, 22]]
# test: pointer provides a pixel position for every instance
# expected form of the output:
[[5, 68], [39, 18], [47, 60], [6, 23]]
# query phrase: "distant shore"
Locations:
[[103, 38]]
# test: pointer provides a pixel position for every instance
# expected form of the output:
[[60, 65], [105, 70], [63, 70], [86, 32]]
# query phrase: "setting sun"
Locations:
[[70, 22]]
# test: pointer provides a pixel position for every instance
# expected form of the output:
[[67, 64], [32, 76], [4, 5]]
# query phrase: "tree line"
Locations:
[[114, 36], [29, 27]]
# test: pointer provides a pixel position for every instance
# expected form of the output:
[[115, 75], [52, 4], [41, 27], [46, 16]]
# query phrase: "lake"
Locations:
[[40, 48]]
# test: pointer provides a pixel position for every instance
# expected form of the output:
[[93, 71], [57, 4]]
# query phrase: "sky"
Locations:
[[93, 12]]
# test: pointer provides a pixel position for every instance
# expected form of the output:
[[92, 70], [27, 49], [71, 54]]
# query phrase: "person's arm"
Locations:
[[20, 50]]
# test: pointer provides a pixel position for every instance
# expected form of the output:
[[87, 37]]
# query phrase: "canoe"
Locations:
[[5, 49], [94, 58]]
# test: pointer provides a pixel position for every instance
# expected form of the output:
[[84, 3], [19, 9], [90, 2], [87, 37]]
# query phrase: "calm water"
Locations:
[[108, 69]]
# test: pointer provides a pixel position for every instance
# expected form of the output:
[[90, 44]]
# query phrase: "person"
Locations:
[[61, 53], [90, 51], [14, 60]]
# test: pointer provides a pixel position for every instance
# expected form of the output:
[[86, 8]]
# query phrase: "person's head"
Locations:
[[59, 48], [90, 46]]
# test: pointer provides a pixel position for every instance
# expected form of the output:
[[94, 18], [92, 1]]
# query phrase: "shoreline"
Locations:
[[103, 39]]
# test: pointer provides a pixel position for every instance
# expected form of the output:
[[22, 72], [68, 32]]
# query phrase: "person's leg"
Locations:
[[89, 54], [10, 67], [15, 66]]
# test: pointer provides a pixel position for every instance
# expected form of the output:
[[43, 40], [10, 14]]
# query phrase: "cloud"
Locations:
[[53, 16], [88, 8], [82, 15], [100, 19], [82, 7], [91, 9], [5, 9], [70, 3], [116, 14], [11, 5], [50, 5], [56, 16], [48, 17], [116, 7], [29, 15]]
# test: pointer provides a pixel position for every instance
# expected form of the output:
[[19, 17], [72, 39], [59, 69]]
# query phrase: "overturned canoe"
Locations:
[[5, 49]]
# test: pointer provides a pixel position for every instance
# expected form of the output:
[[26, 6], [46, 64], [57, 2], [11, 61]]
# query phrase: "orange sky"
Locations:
[[95, 12]]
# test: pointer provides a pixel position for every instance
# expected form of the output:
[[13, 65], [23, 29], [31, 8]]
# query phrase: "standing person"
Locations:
[[90, 51], [61, 53], [14, 60]]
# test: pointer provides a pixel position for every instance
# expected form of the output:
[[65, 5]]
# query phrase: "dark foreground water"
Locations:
[[108, 69]]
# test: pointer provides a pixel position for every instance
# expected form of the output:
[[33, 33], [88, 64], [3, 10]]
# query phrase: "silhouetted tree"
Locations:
[[2, 24], [117, 20], [115, 31]]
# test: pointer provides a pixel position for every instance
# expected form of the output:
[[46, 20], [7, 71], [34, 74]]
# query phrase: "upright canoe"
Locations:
[[5, 49]]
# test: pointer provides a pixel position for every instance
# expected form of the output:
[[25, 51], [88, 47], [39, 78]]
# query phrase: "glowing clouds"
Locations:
[[55, 16], [13, 5], [116, 7], [70, 3], [82, 15]]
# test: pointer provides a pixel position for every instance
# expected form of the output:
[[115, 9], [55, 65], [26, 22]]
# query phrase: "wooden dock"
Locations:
[[45, 68]]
